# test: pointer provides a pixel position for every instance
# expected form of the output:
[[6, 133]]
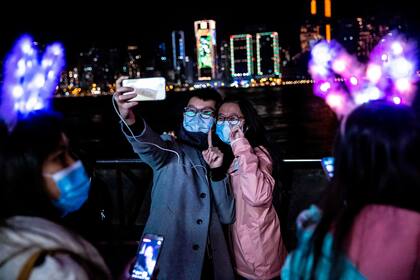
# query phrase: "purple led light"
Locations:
[[390, 73], [30, 79]]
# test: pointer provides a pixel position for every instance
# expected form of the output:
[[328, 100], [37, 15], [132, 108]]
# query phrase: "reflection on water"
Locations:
[[300, 124]]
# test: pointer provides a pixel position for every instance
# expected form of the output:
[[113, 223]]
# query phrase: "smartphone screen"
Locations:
[[147, 89], [147, 256], [328, 166]]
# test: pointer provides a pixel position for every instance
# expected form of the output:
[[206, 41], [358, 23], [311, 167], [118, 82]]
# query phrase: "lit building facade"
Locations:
[[205, 34], [268, 54], [241, 55]]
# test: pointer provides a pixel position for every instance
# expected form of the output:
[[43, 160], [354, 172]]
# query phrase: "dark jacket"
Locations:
[[187, 207]]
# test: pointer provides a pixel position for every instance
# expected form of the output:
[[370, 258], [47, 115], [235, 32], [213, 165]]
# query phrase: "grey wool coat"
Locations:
[[187, 208]]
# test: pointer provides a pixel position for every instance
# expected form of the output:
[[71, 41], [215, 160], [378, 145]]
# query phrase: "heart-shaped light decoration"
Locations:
[[345, 83]]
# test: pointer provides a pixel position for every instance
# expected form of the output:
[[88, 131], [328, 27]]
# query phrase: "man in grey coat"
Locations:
[[190, 198]]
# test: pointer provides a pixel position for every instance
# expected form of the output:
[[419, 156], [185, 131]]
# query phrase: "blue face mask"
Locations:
[[74, 186], [223, 131], [197, 124]]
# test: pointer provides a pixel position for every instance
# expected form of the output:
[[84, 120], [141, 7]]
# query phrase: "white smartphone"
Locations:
[[147, 89]]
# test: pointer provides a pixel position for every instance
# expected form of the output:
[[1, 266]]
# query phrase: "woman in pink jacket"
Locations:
[[258, 247]]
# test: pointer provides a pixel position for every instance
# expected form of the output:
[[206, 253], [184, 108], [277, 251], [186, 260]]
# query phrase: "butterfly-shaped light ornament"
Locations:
[[345, 83], [30, 79]]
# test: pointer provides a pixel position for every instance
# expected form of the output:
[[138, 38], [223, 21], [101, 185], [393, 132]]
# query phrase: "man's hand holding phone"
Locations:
[[145, 265], [125, 106]]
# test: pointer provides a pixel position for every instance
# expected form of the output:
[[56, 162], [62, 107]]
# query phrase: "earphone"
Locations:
[[159, 147]]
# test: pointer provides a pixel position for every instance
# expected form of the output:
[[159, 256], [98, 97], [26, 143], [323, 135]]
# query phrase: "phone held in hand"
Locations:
[[327, 164], [147, 89], [147, 257]]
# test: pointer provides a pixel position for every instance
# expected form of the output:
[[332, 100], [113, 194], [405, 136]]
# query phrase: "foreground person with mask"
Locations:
[[190, 199], [41, 183], [257, 243]]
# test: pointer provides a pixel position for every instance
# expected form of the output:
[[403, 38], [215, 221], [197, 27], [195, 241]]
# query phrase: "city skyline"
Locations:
[[85, 25], [193, 47]]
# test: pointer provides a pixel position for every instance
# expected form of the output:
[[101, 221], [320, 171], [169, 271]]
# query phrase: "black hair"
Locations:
[[376, 162], [254, 128], [26, 148], [207, 94], [256, 134]]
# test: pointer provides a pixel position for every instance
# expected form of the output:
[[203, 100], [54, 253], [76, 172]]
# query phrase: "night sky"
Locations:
[[82, 24]]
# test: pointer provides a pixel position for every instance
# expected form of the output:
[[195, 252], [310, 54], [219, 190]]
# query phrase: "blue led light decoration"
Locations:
[[30, 79]]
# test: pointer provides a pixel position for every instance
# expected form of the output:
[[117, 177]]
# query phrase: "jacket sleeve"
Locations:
[[150, 146], [254, 171], [224, 201], [64, 266]]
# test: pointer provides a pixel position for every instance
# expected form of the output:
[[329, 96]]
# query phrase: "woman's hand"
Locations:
[[236, 133]]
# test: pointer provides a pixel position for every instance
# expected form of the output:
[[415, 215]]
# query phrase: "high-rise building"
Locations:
[[189, 70], [89, 65], [133, 64], [205, 34], [178, 55], [162, 52], [241, 55], [323, 20], [310, 33], [347, 34], [73, 78], [224, 65], [370, 33], [284, 57], [98, 67], [178, 48], [360, 35], [162, 62], [268, 54], [327, 15]]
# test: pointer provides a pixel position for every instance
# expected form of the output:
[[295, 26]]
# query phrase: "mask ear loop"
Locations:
[[245, 128]]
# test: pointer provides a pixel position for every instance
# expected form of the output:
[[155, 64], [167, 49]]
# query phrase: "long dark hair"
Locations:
[[256, 134], [377, 162], [24, 151], [255, 131]]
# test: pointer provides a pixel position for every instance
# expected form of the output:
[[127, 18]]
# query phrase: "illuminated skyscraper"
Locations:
[[189, 70], [224, 61], [360, 35], [313, 7], [327, 14], [241, 55], [162, 62], [205, 34], [325, 18], [178, 48], [309, 35], [178, 55], [133, 65], [268, 54], [370, 33]]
